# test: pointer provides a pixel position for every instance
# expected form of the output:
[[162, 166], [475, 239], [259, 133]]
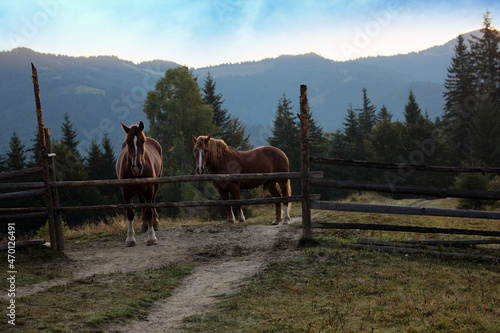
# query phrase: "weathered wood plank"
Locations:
[[387, 209], [20, 173], [407, 189], [383, 165], [296, 198], [187, 178], [22, 194]]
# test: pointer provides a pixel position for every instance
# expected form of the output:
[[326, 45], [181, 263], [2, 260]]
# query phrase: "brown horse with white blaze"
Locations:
[[140, 157], [218, 157]]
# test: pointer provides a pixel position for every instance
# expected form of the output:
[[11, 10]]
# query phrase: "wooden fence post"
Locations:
[[304, 134], [54, 194], [55, 245]]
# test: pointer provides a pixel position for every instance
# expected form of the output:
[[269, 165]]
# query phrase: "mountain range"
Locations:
[[100, 92]]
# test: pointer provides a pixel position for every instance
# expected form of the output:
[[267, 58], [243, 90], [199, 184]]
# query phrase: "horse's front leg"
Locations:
[[235, 193], [148, 215], [156, 221], [225, 196], [130, 217]]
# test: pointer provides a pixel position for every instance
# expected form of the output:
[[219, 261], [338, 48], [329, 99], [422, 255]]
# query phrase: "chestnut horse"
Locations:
[[140, 157], [218, 157]]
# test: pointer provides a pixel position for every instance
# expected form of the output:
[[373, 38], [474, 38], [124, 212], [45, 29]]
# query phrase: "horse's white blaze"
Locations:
[[199, 159], [135, 147]]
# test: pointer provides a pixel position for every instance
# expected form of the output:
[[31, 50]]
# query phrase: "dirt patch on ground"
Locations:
[[224, 255]]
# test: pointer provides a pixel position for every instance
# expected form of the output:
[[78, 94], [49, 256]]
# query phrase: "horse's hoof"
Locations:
[[275, 223], [144, 228], [129, 244], [152, 242]]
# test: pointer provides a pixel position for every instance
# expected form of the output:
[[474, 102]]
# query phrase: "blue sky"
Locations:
[[210, 32]]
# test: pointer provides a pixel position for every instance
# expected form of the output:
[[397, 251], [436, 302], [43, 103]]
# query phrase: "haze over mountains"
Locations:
[[99, 92]]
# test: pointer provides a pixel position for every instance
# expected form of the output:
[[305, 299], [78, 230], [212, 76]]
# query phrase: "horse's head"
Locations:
[[200, 152], [135, 141]]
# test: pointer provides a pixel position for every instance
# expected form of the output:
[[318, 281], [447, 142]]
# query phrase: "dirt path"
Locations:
[[224, 255]]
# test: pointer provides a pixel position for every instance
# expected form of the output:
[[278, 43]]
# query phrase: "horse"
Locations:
[[218, 157], [140, 157]]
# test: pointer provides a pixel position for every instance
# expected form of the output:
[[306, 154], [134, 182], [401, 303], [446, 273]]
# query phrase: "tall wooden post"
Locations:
[[54, 243], [304, 135], [54, 193]]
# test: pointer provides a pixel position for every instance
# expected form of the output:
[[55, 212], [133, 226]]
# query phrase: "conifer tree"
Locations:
[[483, 129], [367, 115], [230, 129], [234, 134], [351, 128], [220, 117], [412, 111], [36, 150], [384, 115], [459, 97], [485, 59], [94, 163], [15, 155], [69, 136], [285, 132], [108, 158]]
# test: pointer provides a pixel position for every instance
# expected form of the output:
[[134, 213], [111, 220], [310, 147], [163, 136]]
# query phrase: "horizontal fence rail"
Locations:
[[20, 173], [404, 228], [22, 194], [183, 204], [387, 209], [383, 165], [187, 178], [407, 189]]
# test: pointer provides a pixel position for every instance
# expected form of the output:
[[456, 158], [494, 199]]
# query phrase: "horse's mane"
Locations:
[[217, 148]]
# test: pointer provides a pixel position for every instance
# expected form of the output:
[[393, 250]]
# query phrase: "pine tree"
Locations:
[[235, 134], [459, 96], [94, 165], [220, 117], [367, 115], [108, 158], [285, 132], [229, 128], [485, 59], [69, 136], [351, 128], [412, 111], [483, 129], [384, 115], [15, 155], [36, 150]]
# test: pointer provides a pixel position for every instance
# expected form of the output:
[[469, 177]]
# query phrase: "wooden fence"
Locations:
[[308, 178], [390, 188]]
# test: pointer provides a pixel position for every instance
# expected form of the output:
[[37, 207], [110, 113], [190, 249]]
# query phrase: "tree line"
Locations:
[[178, 108]]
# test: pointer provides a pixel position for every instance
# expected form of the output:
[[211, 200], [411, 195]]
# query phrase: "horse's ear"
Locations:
[[125, 127], [208, 138], [194, 139], [141, 126]]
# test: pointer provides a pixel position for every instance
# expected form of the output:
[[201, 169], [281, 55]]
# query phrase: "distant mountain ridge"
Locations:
[[100, 92]]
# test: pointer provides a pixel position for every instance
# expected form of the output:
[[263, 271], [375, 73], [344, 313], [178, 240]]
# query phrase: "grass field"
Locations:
[[328, 288]]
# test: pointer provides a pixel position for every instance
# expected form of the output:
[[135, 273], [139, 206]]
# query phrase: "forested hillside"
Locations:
[[99, 92]]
